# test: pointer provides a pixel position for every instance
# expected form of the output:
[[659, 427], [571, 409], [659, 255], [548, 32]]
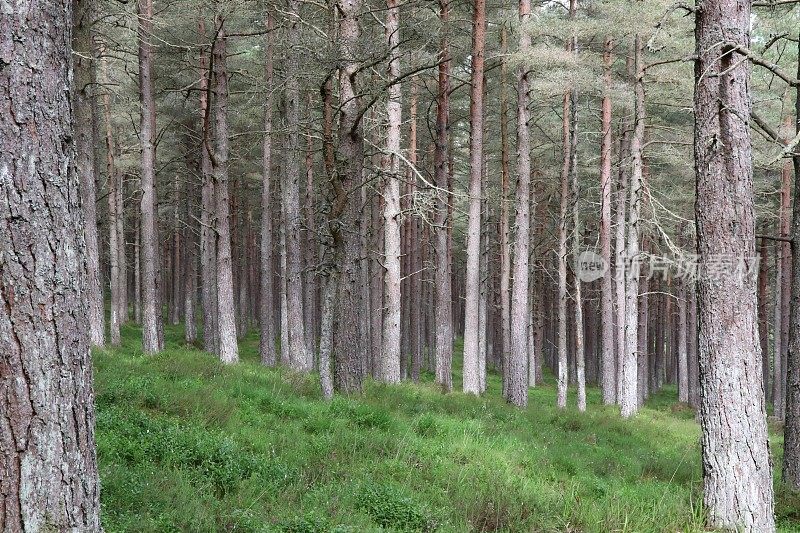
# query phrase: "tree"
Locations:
[[47, 448], [389, 368], [518, 359], [152, 336], [735, 454], [472, 289], [226, 310]]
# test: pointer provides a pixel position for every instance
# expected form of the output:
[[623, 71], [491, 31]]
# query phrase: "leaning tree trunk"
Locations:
[[152, 339], [791, 432], [517, 390], [49, 478], [266, 301], [443, 323], [472, 282], [737, 477], [608, 366], [388, 369], [628, 398], [84, 143], [226, 309], [299, 356]]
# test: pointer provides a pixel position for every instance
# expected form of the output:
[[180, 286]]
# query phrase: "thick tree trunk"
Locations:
[[152, 339], [737, 476], [791, 432], [83, 75], [443, 323], [608, 373], [472, 282], [267, 350], [49, 478], [628, 398], [348, 345], [226, 310], [518, 358]]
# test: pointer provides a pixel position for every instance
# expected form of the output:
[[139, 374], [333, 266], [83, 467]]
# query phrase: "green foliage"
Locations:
[[186, 444]]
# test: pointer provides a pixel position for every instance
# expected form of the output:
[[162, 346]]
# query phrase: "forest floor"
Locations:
[[187, 444]]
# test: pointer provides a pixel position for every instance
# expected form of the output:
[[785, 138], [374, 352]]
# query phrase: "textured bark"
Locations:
[[642, 358], [517, 392], [562, 376], [777, 337], [791, 432], [389, 368], [443, 324], [737, 476], [608, 364], [299, 356], [505, 249], [415, 249], [683, 373], [348, 344], [785, 282], [472, 283], [226, 310], [580, 361], [628, 397], [267, 350], [152, 338], [49, 478], [311, 299], [619, 258], [82, 108]]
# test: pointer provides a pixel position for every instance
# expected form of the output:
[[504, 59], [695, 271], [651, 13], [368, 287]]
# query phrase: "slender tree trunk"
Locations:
[[49, 478], [310, 291], [267, 350], [791, 432], [763, 321], [389, 368], [777, 336], [518, 358], [608, 381], [786, 276], [84, 13], [472, 288], [226, 310], [443, 287], [505, 249], [562, 376], [152, 341], [580, 356], [628, 398], [416, 247], [737, 476], [174, 311], [694, 365], [619, 257], [683, 374]]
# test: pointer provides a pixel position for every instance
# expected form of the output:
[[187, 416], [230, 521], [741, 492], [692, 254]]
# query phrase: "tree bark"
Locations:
[[152, 338], [472, 283], [737, 476], [443, 286], [608, 382], [505, 249], [226, 309], [49, 478], [683, 374]]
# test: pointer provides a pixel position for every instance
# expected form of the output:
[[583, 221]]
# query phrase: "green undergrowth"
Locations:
[[187, 444]]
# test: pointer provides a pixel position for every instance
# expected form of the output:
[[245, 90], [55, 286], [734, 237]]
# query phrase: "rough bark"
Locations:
[[226, 309], [472, 283], [505, 249], [267, 349], [628, 398], [443, 287], [152, 338], [580, 356], [415, 246], [49, 478], [608, 381], [737, 476], [517, 391]]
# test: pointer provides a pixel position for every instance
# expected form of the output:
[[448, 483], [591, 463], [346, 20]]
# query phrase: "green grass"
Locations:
[[186, 444]]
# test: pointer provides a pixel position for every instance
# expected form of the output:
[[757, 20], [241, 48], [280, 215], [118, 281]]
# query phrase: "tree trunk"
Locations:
[[472, 282], [310, 291], [49, 478], [505, 249], [226, 310], [299, 356], [415, 295], [83, 75], [737, 476], [608, 381], [791, 432], [152, 340], [518, 358], [443, 287], [628, 397], [580, 356], [683, 374], [779, 402], [267, 350], [763, 321]]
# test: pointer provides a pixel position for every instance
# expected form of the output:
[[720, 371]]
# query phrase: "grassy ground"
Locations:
[[186, 444]]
